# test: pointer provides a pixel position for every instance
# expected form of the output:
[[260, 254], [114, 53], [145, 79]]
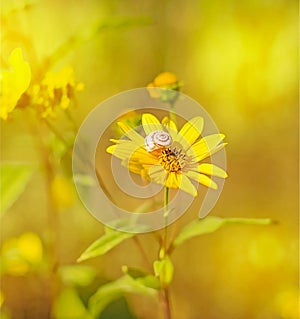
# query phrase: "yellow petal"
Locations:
[[211, 169], [165, 78], [202, 179], [205, 147], [170, 126], [157, 174], [14, 82], [110, 149], [130, 151], [131, 133], [169, 123], [134, 167], [143, 157], [21, 69], [118, 141], [172, 180], [190, 132], [151, 123], [186, 185], [123, 150]]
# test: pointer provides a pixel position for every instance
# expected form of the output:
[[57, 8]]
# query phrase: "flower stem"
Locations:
[[166, 213], [165, 292], [166, 303]]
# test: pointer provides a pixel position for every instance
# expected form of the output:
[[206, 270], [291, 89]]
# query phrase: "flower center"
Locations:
[[172, 159]]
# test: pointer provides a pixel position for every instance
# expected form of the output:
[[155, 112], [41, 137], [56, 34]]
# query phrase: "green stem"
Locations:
[[56, 132], [163, 250], [72, 121], [142, 252], [166, 213], [52, 214], [166, 300]]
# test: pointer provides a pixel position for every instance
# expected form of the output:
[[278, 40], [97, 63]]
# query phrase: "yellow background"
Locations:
[[236, 58]]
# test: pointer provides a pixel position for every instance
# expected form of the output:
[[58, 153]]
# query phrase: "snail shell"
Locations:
[[157, 140]]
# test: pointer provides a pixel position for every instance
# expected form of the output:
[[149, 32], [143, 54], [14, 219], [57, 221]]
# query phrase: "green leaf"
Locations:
[[68, 305], [13, 180], [114, 290], [105, 243], [142, 276], [117, 309], [164, 270], [77, 275], [211, 224], [134, 272]]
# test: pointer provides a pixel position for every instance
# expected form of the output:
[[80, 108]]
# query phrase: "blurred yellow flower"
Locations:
[[14, 82], [56, 90], [165, 80], [20, 254], [169, 157], [62, 192]]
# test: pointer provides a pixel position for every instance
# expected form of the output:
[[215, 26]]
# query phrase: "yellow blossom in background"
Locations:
[[62, 192], [55, 91], [14, 82], [20, 254], [165, 80], [168, 156]]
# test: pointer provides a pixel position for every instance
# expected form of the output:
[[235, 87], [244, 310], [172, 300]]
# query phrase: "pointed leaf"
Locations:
[[142, 276], [212, 223], [114, 290], [105, 243], [77, 275], [68, 305], [13, 180]]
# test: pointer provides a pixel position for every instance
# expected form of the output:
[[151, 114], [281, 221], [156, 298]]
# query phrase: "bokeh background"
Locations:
[[236, 58]]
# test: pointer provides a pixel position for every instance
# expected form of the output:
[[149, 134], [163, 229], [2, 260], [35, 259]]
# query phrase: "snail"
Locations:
[[157, 140]]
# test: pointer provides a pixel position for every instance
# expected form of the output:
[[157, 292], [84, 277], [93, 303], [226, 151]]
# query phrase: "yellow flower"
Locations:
[[21, 254], [170, 157], [56, 90], [165, 80], [62, 192], [14, 82]]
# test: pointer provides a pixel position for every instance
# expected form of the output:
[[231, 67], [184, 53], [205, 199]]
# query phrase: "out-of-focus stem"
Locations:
[[166, 304], [57, 133], [52, 219]]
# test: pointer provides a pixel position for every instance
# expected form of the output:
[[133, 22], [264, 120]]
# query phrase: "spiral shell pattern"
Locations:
[[157, 140]]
